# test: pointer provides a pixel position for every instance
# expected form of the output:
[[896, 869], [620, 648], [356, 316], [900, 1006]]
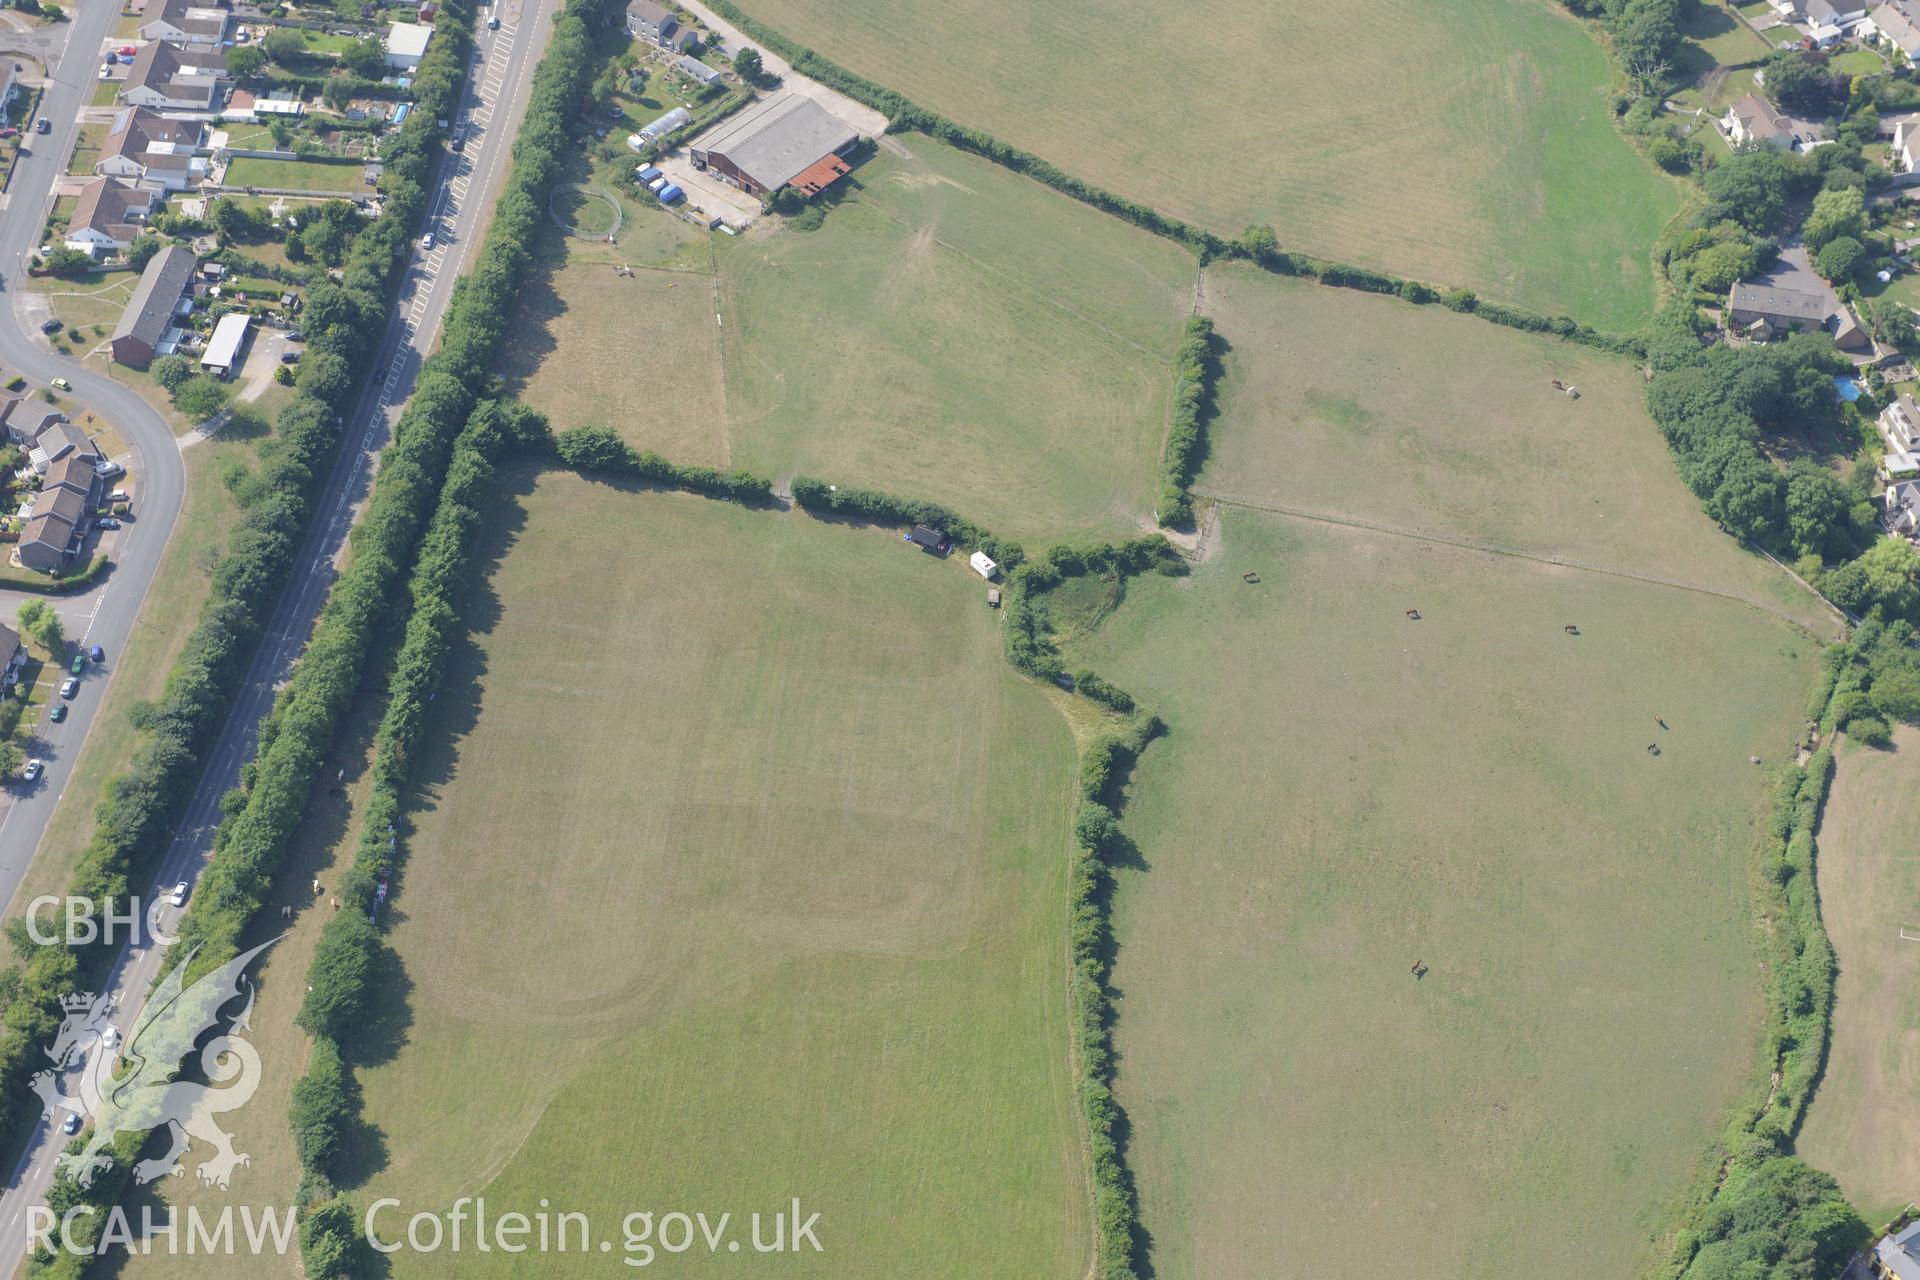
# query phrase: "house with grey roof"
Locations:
[[150, 311], [186, 22], [176, 77], [1754, 121], [651, 22], [149, 149], [1897, 1256], [782, 140], [1763, 311], [1893, 27], [108, 215]]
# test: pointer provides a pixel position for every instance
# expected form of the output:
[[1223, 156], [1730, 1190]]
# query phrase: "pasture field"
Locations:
[[952, 331], [1344, 792], [1466, 143], [740, 876], [1357, 407], [1860, 1127], [960, 333]]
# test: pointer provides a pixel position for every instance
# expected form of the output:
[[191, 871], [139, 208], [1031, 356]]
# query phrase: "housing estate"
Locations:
[[108, 215], [175, 77], [151, 310], [785, 140], [184, 22], [149, 149], [651, 22], [406, 45], [61, 512]]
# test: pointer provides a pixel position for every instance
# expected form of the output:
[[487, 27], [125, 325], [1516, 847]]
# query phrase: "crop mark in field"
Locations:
[[1909, 934], [1494, 549]]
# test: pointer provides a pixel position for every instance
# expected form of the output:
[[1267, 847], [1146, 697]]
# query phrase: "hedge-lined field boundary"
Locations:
[[599, 449], [136, 817], [1196, 367], [1257, 244], [1800, 979]]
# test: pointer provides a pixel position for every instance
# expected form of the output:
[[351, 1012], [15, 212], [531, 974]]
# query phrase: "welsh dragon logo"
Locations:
[[145, 1094]]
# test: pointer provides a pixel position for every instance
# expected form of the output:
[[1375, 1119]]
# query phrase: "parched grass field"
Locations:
[[741, 877], [962, 334], [1344, 792], [1860, 1127], [953, 331], [1466, 142], [1415, 419]]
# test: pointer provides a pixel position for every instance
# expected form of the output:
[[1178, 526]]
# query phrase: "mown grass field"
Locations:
[[1357, 407], [1467, 143], [297, 175], [1345, 791], [953, 331], [1861, 1124], [740, 877]]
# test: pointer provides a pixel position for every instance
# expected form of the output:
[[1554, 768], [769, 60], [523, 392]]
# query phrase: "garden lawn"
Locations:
[[1466, 143], [1345, 792], [1867, 1109], [1366, 408], [297, 175], [741, 877], [959, 333]]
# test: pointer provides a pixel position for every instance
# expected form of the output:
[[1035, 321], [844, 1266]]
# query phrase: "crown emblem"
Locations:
[[77, 1002]]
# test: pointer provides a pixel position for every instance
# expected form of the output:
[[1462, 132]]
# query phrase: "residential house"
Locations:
[[49, 540], [406, 45], [63, 440], [108, 216], [186, 23], [697, 69], [1893, 27], [1900, 509], [1763, 312], [652, 22], [1897, 1256], [149, 149], [25, 421], [72, 474], [785, 139], [688, 41], [1899, 425], [150, 311], [176, 77], [1754, 121]]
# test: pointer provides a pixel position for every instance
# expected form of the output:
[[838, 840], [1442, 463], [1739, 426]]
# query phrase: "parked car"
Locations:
[[107, 522], [70, 686], [71, 1125], [493, 24], [119, 495], [426, 242], [78, 664], [9, 132], [61, 384], [657, 183], [179, 895], [51, 325], [289, 357], [58, 713], [293, 335], [106, 72], [32, 771], [96, 654], [127, 50], [43, 125], [109, 470], [459, 142]]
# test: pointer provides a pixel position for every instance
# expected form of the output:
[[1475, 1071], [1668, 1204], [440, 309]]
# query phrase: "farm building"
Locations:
[[172, 77], [149, 149], [407, 44], [108, 216], [136, 339], [223, 348], [678, 118], [783, 140], [697, 70], [185, 22], [651, 22]]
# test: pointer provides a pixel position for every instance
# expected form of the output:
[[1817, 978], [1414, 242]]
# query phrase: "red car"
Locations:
[[126, 50]]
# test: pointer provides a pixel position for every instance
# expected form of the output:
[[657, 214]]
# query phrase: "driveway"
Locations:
[[707, 194]]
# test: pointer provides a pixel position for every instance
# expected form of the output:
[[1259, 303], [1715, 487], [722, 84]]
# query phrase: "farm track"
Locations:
[[1497, 549]]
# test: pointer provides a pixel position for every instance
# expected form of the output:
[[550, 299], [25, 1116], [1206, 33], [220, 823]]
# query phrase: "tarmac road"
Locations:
[[105, 614], [465, 189]]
